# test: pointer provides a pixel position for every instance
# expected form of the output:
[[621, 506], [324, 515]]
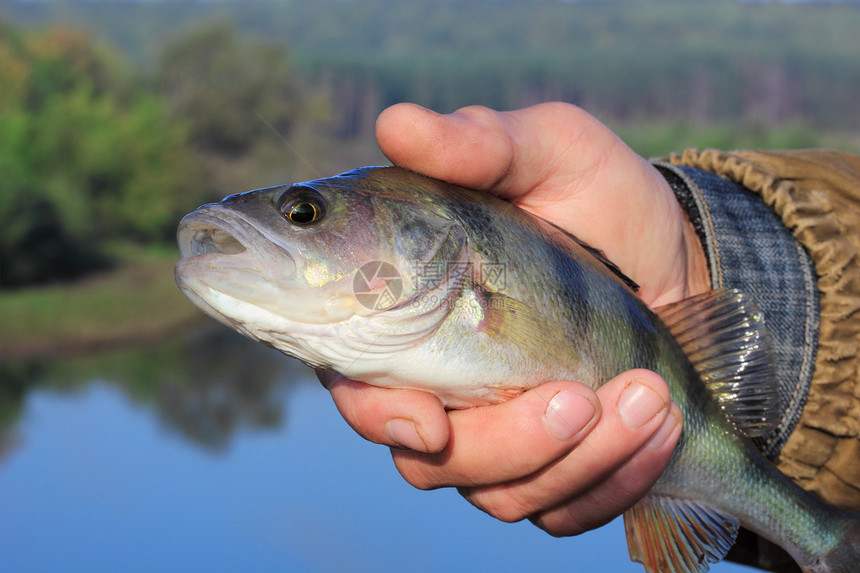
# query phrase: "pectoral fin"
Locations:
[[669, 535], [517, 325]]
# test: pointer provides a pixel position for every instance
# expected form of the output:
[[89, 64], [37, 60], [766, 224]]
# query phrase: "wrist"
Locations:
[[697, 259], [698, 273]]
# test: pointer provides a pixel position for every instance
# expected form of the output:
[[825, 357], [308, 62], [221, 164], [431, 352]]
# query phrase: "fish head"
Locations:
[[293, 260]]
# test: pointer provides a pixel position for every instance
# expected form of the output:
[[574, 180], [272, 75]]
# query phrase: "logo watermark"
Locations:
[[491, 276], [378, 285]]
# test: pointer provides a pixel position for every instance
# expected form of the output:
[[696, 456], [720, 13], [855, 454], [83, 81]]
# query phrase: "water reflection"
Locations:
[[206, 385], [90, 482]]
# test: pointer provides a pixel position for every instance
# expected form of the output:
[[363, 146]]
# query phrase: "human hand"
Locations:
[[563, 165]]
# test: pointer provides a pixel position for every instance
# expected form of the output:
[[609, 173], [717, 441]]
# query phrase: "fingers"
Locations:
[[565, 457], [619, 491], [567, 491], [393, 417], [491, 444]]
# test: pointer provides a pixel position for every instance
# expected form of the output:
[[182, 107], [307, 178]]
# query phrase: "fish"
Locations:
[[399, 280]]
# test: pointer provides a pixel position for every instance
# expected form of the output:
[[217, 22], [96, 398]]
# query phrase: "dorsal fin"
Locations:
[[597, 254], [670, 535], [723, 334]]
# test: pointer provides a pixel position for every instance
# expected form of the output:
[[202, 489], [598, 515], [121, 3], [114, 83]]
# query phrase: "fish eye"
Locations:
[[304, 213], [302, 206]]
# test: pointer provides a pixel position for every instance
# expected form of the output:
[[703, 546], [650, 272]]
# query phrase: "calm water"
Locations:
[[211, 453]]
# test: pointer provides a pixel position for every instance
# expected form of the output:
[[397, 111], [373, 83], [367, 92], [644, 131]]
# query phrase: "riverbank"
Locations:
[[136, 301]]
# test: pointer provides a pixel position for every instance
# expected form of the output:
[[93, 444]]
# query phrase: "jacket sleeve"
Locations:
[[785, 226]]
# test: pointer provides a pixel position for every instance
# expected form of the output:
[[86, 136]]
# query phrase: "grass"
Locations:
[[136, 301]]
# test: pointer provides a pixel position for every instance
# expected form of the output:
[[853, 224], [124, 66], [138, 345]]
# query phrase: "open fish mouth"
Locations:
[[203, 239], [203, 234], [227, 242]]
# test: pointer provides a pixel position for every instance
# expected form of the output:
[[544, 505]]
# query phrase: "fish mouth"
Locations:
[[210, 239], [202, 234], [206, 240]]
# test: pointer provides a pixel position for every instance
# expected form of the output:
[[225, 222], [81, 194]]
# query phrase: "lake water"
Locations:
[[212, 453]]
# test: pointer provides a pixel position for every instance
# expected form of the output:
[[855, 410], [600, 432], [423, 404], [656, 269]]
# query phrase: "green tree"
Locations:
[[86, 158]]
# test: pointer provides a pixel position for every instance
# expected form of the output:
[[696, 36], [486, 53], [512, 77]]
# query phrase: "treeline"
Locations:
[[766, 64]]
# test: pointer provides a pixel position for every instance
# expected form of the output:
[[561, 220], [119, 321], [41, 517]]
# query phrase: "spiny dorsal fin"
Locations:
[[669, 535], [598, 254], [723, 334]]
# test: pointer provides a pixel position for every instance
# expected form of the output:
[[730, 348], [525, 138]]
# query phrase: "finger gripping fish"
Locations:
[[400, 280]]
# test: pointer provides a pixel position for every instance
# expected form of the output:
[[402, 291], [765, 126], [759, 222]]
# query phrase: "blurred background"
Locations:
[[137, 436]]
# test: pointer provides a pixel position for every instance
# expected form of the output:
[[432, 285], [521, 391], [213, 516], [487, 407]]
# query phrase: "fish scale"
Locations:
[[562, 312]]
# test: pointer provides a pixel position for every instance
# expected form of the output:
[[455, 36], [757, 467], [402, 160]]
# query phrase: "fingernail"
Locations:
[[403, 433], [567, 414], [638, 404], [668, 428]]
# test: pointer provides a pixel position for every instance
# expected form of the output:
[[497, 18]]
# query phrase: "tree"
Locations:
[[86, 158], [231, 90]]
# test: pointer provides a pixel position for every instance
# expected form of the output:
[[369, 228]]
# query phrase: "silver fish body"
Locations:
[[399, 280]]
